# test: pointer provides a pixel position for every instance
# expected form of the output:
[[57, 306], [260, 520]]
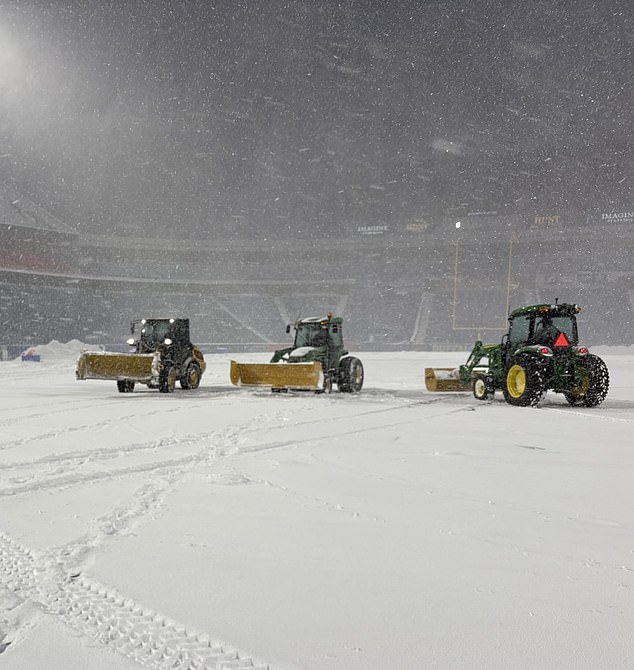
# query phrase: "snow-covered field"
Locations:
[[234, 528]]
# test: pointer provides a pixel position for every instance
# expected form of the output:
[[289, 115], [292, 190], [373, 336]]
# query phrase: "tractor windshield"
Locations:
[[154, 332], [311, 335], [548, 328]]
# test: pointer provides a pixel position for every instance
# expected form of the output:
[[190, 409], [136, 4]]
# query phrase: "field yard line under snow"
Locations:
[[227, 527]]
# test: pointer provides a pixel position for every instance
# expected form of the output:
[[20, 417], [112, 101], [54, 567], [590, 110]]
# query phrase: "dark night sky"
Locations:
[[217, 118]]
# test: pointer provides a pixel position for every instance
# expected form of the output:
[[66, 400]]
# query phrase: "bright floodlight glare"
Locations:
[[10, 62], [458, 224]]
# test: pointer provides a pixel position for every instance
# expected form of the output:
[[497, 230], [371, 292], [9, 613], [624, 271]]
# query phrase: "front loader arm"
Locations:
[[476, 355], [491, 352]]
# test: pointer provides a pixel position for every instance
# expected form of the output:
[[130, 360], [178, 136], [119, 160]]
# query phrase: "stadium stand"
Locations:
[[436, 289]]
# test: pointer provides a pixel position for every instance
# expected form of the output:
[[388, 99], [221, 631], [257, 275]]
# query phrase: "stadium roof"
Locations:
[[18, 210]]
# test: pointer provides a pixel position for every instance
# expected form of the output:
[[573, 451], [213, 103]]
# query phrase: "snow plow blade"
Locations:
[[102, 365], [303, 376], [444, 379]]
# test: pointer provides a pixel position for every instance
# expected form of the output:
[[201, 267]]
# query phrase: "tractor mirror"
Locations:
[[335, 328], [288, 328], [132, 327]]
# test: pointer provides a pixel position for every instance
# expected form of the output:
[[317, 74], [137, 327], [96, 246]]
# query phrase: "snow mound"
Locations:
[[59, 351]]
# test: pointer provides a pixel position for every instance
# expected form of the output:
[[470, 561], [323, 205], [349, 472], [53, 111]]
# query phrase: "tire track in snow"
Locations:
[[17, 567], [118, 451], [148, 498], [34, 479], [30, 412], [66, 430], [40, 483], [102, 613], [32, 476], [592, 413], [105, 615], [99, 454]]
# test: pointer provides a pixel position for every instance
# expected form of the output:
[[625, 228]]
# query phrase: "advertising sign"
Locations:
[[618, 217], [373, 230]]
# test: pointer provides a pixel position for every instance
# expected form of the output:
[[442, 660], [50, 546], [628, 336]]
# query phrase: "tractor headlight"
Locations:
[[130, 341], [167, 341]]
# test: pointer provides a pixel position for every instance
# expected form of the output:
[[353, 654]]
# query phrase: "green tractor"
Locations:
[[539, 353], [316, 361]]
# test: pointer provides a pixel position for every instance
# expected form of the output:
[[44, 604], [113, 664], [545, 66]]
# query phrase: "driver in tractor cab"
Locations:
[[321, 337], [152, 335], [545, 330]]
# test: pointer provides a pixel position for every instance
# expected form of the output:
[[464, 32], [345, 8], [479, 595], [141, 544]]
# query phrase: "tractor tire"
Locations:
[[481, 388], [350, 375], [524, 382], [125, 386], [191, 378], [167, 379], [594, 384]]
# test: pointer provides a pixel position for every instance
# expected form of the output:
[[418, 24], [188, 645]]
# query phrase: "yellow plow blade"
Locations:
[[102, 365], [444, 379], [305, 376]]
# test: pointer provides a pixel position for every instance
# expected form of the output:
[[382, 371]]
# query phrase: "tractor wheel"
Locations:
[[350, 375], [524, 383], [125, 385], [593, 384], [167, 379], [481, 388], [191, 378]]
